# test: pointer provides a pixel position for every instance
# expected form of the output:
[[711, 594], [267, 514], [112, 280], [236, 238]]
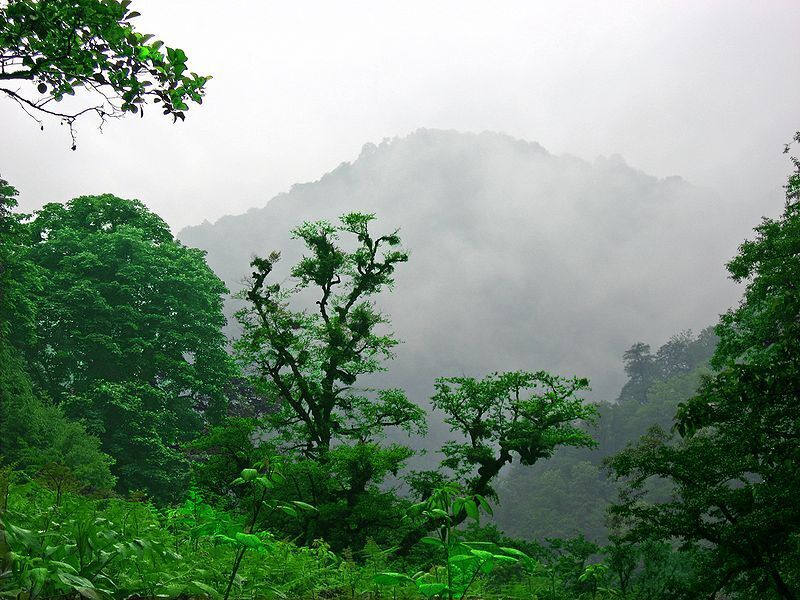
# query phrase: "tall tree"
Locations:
[[737, 486], [19, 277], [128, 333], [641, 370], [53, 49], [310, 361], [33, 432]]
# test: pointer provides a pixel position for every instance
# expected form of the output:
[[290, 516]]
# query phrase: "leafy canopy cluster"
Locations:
[[310, 361], [49, 50], [506, 414], [125, 332]]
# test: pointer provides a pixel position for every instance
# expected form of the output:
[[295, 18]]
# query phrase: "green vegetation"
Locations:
[[58, 48], [267, 477], [126, 334], [734, 466], [141, 459]]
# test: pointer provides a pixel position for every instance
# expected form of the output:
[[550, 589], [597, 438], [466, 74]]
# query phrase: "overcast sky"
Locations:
[[707, 90]]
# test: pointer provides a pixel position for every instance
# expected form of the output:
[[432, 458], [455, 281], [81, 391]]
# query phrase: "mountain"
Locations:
[[520, 259]]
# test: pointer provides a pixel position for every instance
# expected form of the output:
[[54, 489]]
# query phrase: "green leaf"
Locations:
[[304, 506], [461, 558], [488, 566], [206, 588], [265, 482], [249, 474], [390, 578], [75, 581], [472, 510], [506, 559], [482, 554], [514, 552], [438, 512], [432, 541], [249, 540], [65, 566], [429, 590]]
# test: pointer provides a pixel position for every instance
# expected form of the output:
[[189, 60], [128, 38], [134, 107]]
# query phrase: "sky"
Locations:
[[705, 90]]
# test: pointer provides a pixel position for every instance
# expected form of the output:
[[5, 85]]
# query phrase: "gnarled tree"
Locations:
[[310, 361], [504, 415]]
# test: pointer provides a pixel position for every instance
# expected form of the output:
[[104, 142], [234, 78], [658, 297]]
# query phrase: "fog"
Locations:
[[704, 90], [519, 259], [641, 143]]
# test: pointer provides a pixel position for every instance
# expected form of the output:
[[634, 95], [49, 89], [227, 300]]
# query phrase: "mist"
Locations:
[[520, 259], [702, 90]]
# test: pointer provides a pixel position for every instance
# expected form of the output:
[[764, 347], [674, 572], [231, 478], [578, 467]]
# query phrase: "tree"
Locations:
[[737, 486], [641, 371], [129, 334], [19, 278], [310, 362], [57, 48], [32, 431], [504, 415], [36, 434]]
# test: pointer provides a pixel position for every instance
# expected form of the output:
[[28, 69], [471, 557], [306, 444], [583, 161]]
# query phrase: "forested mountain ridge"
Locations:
[[520, 258], [569, 494], [154, 447], [322, 472]]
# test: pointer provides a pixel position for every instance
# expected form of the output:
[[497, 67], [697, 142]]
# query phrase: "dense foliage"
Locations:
[[125, 333], [569, 493], [55, 48], [140, 460], [734, 466]]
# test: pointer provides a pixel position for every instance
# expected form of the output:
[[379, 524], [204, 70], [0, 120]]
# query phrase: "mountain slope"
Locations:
[[520, 259]]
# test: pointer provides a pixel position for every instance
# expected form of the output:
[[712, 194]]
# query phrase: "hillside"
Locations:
[[519, 258]]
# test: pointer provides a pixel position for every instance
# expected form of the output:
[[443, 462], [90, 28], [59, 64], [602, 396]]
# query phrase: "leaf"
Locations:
[[87, 592], [472, 510], [438, 512], [74, 581], [488, 566], [458, 505], [432, 541], [65, 566], [482, 554], [430, 590], [506, 559], [206, 588], [390, 578], [484, 504], [461, 558], [304, 506], [249, 474], [264, 482], [249, 540]]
